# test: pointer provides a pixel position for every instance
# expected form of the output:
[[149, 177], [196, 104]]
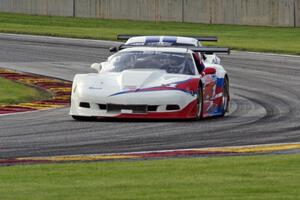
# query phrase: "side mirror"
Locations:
[[97, 66], [209, 70], [113, 49]]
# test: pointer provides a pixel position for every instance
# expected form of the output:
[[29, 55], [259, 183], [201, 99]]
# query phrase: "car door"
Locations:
[[209, 83]]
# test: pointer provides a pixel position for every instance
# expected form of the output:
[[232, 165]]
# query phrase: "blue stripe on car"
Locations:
[[220, 82], [172, 40], [151, 40]]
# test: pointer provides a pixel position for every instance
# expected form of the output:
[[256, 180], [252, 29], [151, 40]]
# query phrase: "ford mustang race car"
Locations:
[[152, 82]]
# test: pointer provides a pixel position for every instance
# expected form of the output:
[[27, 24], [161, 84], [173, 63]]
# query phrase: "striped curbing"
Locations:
[[59, 89], [239, 150]]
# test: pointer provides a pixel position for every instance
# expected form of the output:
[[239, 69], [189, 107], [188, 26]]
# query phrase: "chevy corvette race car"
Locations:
[[152, 82], [172, 41]]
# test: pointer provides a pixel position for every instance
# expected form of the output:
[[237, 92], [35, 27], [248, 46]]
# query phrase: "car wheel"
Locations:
[[199, 104], [83, 118], [225, 98]]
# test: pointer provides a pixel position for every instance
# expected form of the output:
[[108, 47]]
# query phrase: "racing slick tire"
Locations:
[[225, 98]]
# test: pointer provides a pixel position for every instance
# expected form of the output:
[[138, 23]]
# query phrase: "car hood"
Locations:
[[113, 82]]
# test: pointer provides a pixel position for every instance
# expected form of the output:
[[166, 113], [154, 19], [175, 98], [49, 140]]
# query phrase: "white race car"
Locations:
[[152, 83], [177, 41]]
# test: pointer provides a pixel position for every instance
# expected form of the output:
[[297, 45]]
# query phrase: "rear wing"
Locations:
[[199, 38], [210, 50], [202, 49]]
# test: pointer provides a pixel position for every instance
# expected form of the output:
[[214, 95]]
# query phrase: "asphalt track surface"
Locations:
[[265, 106]]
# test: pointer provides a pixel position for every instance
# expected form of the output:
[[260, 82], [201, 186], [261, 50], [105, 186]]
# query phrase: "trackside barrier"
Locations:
[[284, 13]]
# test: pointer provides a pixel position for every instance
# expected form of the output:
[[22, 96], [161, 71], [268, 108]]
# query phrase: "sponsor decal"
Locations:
[[95, 88]]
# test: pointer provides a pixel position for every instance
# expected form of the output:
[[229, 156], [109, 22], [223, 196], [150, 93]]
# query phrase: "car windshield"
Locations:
[[178, 63]]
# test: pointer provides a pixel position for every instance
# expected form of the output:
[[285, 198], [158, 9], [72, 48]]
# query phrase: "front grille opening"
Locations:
[[102, 106], [152, 108], [133, 108], [84, 105], [172, 107]]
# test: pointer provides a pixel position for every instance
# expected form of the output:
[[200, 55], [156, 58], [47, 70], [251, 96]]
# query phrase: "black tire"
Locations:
[[225, 98], [83, 118], [199, 113]]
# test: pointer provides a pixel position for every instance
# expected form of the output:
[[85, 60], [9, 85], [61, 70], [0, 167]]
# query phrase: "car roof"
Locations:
[[162, 40], [159, 49]]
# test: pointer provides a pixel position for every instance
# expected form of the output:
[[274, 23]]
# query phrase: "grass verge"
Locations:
[[13, 93], [248, 177], [251, 38]]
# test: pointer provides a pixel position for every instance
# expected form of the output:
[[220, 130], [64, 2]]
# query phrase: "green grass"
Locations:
[[247, 177], [264, 39], [253, 177], [12, 93]]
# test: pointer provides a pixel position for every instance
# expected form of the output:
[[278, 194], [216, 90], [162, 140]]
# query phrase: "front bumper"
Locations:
[[147, 105]]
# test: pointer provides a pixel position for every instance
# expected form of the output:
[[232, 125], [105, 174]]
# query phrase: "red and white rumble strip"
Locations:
[[59, 89], [221, 151]]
